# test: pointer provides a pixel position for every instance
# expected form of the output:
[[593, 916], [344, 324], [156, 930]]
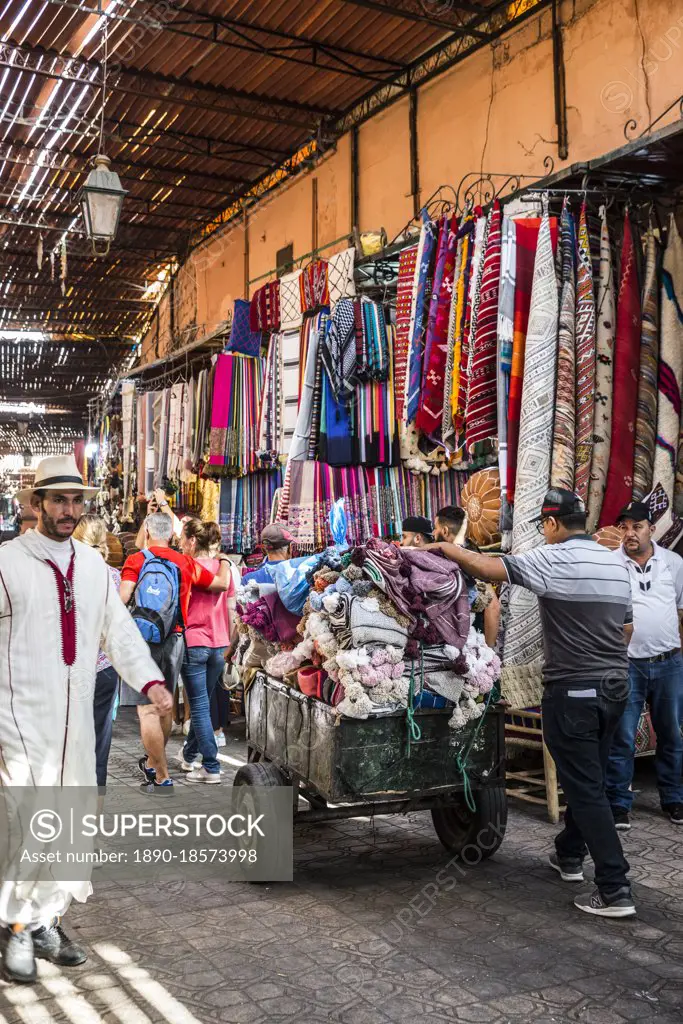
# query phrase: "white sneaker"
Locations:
[[188, 766], [201, 775]]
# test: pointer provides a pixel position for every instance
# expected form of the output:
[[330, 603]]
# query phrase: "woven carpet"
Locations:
[[564, 427], [585, 360], [670, 375], [646, 419], [619, 485], [481, 417], [523, 639], [602, 423]]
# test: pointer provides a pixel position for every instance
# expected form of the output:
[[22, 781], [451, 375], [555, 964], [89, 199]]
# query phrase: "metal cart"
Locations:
[[347, 767]]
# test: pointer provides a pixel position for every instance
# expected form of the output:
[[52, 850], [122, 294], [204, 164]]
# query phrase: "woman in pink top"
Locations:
[[207, 634]]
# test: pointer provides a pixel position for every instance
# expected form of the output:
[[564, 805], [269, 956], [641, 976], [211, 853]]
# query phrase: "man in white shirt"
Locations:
[[655, 667]]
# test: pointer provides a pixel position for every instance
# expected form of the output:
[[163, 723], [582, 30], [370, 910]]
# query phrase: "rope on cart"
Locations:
[[414, 730], [461, 759]]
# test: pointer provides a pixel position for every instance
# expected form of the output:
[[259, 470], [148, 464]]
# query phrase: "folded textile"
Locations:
[[269, 617], [438, 589], [369, 625]]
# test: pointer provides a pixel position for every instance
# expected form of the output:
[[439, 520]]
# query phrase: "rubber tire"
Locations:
[[259, 773], [457, 827]]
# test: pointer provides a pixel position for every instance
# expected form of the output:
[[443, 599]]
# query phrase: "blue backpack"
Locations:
[[156, 602]]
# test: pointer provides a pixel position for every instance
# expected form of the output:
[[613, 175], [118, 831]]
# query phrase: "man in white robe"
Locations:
[[57, 607]]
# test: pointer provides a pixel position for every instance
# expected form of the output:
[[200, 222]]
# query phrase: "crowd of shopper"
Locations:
[[612, 642]]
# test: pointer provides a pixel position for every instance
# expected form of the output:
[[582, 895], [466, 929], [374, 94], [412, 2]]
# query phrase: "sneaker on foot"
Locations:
[[594, 903], [18, 959], [622, 822], [201, 775], [568, 870], [675, 812], [149, 773], [54, 944]]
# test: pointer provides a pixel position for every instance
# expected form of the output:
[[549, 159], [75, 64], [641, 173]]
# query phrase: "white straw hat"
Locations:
[[56, 473]]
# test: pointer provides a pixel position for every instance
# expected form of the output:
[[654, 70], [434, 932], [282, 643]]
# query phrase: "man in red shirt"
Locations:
[[155, 729]]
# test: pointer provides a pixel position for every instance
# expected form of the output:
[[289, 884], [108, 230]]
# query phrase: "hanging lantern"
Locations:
[[101, 200]]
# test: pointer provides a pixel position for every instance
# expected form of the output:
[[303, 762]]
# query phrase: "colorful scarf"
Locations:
[[602, 426], [220, 409], [340, 276], [298, 449], [562, 470], [421, 291], [314, 287], [404, 290], [646, 420], [480, 422], [447, 428], [430, 414], [473, 282], [619, 487], [670, 377], [375, 365], [242, 338], [264, 309], [585, 360], [523, 638], [338, 350]]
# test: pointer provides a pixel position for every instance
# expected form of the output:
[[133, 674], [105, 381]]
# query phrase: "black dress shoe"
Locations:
[[18, 961], [54, 944]]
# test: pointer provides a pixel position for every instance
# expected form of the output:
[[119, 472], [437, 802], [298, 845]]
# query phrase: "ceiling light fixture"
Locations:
[[102, 194]]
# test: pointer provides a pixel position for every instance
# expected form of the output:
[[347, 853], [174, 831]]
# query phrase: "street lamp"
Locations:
[[101, 200]]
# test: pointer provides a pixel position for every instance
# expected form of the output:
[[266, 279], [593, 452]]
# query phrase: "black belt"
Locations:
[[658, 657]]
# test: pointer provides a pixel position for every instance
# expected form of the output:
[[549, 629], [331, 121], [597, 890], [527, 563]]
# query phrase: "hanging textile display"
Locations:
[[127, 415], [481, 224], [668, 484], [458, 388], [340, 276], [585, 360], [373, 363], [619, 486], [481, 399], [271, 412], [602, 425], [234, 414], [404, 290], [245, 504], [566, 391], [264, 309], [201, 417], [338, 350], [523, 637], [298, 449], [646, 419]]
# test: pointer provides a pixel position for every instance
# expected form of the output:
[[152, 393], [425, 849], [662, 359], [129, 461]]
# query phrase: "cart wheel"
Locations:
[[460, 829], [259, 773]]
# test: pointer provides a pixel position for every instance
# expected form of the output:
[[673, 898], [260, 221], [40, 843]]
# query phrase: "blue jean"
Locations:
[[106, 686], [660, 683], [202, 669]]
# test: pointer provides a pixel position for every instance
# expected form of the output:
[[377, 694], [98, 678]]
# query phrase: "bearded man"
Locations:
[[57, 607]]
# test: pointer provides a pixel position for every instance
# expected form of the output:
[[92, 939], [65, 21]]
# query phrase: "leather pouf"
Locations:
[[481, 500], [609, 537]]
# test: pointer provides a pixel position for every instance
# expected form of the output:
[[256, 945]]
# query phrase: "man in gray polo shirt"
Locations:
[[655, 667], [584, 596]]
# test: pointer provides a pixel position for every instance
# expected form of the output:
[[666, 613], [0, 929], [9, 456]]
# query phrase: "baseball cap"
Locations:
[[418, 524], [559, 502], [275, 535], [636, 510]]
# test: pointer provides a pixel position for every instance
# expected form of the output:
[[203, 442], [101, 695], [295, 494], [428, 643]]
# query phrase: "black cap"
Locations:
[[637, 511], [418, 524], [559, 503]]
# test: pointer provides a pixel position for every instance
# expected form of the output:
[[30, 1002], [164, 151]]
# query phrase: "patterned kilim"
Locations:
[[462, 287], [523, 640], [619, 485], [481, 420], [564, 428], [602, 424], [670, 374], [404, 291], [474, 278], [585, 360], [340, 276], [430, 414], [646, 420]]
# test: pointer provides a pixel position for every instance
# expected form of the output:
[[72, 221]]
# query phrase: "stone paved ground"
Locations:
[[352, 940]]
